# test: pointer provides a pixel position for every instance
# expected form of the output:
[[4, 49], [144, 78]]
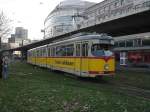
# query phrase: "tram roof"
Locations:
[[75, 38], [84, 37]]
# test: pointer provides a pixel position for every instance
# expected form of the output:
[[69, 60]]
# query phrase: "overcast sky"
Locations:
[[30, 14]]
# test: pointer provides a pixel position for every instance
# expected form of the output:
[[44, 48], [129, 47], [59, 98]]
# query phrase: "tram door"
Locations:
[[78, 59], [84, 59]]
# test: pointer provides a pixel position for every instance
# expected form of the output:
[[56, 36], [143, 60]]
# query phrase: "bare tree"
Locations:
[[5, 28]]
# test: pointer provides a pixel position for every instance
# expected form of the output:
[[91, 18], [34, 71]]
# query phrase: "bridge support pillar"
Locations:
[[24, 55]]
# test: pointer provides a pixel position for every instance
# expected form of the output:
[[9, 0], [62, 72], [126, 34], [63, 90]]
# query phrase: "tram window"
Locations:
[[49, 51], [53, 51], [101, 50], [40, 52], [65, 50], [37, 52], [85, 49], [69, 50], [34, 53], [60, 51], [31, 53], [78, 48], [45, 51]]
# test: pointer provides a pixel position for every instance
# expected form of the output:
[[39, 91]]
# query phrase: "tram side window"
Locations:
[[44, 52], [69, 50], [85, 49], [60, 51], [49, 51], [37, 53], [78, 48], [40, 52], [29, 54], [65, 50], [33, 53], [53, 51]]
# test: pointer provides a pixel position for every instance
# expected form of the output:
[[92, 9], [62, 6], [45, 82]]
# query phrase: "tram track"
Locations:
[[132, 91], [122, 88]]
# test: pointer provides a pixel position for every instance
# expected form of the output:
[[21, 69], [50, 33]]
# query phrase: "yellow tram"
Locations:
[[85, 56]]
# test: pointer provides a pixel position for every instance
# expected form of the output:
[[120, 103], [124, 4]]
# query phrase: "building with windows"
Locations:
[[20, 37], [65, 17], [20, 32], [133, 49], [108, 10]]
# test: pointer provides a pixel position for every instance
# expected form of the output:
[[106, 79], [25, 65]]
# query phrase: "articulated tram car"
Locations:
[[85, 56]]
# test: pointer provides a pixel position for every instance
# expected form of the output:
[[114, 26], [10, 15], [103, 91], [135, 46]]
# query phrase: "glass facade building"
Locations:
[[65, 17]]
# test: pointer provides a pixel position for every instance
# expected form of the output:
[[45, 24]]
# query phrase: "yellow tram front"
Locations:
[[101, 60]]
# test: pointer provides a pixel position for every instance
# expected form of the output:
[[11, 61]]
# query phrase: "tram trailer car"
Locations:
[[85, 56]]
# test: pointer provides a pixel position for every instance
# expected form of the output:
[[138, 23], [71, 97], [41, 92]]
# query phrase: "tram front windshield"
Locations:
[[101, 50]]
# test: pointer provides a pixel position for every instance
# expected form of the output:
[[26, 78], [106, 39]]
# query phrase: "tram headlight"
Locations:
[[106, 67]]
